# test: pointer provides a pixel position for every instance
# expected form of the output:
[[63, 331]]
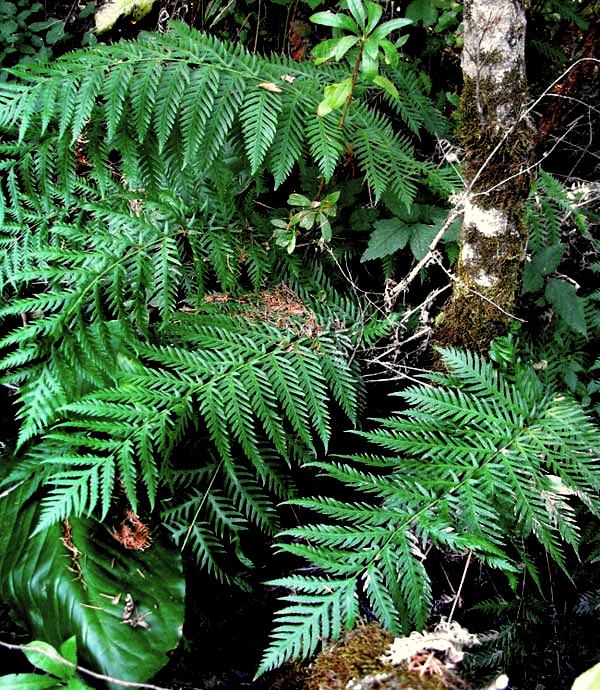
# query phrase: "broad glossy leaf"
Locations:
[[299, 200], [337, 21], [334, 48], [81, 591], [374, 12], [336, 96], [387, 27], [357, 9], [370, 58], [390, 51]]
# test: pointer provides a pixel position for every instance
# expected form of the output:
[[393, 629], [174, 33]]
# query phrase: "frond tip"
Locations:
[[319, 610]]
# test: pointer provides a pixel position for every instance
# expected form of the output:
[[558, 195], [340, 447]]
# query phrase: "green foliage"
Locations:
[[551, 205], [26, 34], [484, 458], [416, 228], [561, 221], [46, 658], [309, 214], [123, 239], [191, 103], [364, 42], [87, 576]]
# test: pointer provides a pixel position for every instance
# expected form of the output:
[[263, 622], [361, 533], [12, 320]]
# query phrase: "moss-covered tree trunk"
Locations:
[[496, 139]]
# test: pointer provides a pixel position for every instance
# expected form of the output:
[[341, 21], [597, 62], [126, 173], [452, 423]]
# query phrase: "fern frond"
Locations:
[[320, 610], [288, 143], [196, 109], [174, 82], [482, 464], [325, 141]]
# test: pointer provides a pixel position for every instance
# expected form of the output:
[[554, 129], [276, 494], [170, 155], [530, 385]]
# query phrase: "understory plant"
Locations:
[[480, 459], [164, 353], [178, 342]]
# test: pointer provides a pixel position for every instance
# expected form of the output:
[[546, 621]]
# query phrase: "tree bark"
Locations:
[[496, 138]]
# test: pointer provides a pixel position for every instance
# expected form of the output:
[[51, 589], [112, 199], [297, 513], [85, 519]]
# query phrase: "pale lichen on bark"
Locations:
[[497, 141]]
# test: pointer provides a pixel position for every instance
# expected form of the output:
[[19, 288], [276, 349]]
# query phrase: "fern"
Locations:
[[138, 279], [549, 207], [187, 96], [485, 457]]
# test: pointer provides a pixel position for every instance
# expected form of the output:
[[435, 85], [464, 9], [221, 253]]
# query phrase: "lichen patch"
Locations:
[[489, 222]]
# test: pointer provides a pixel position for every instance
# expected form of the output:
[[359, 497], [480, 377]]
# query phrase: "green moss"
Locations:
[[495, 157], [357, 656], [471, 323], [499, 179]]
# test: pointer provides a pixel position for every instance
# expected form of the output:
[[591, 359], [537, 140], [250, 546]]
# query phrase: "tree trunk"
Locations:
[[496, 138]]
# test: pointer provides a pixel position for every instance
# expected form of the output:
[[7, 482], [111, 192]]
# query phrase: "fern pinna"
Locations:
[[484, 457]]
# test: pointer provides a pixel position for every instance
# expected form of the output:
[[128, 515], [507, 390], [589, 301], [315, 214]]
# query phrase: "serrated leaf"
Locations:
[[531, 279], [564, 300], [548, 259], [389, 236], [420, 239]]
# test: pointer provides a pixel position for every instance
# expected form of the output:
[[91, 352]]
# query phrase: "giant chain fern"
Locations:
[[165, 109], [135, 263], [484, 457]]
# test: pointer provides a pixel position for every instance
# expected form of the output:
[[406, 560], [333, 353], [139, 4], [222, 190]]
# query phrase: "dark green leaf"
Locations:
[[8, 8], [565, 302], [389, 236], [422, 11], [56, 33], [532, 279], [337, 21], [60, 592]]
